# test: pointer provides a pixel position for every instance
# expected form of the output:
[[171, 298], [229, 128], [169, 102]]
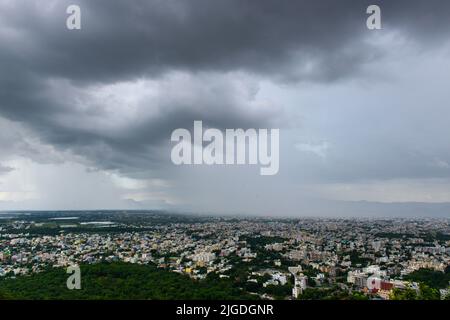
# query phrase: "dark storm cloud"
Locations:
[[126, 41]]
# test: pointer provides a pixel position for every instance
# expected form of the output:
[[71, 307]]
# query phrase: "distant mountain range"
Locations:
[[378, 209]]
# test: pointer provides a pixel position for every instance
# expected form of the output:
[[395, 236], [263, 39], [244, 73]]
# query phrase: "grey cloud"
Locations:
[[49, 75], [76, 120], [122, 39], [5, 169]]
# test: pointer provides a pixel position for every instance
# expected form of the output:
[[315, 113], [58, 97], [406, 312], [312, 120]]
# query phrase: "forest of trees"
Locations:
[[432, 278], [119, 281], [430, 282]]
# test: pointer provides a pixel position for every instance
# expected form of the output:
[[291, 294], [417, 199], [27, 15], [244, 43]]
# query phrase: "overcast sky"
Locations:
[[86, 115]]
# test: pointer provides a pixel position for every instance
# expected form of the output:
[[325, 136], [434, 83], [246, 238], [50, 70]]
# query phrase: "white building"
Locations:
[[204, 257], [300, 284], [281, 278], [373, 282]]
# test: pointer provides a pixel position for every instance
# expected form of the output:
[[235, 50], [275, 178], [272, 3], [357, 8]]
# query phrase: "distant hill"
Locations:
[[397, 210]]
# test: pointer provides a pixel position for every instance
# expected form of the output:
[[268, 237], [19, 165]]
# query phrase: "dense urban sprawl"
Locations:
[[294, 258]]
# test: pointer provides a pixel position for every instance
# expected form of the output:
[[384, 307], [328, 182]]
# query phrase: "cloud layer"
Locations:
[[355, 105]]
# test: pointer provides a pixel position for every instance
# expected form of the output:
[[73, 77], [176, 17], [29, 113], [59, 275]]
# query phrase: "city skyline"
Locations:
[[155, 255]]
